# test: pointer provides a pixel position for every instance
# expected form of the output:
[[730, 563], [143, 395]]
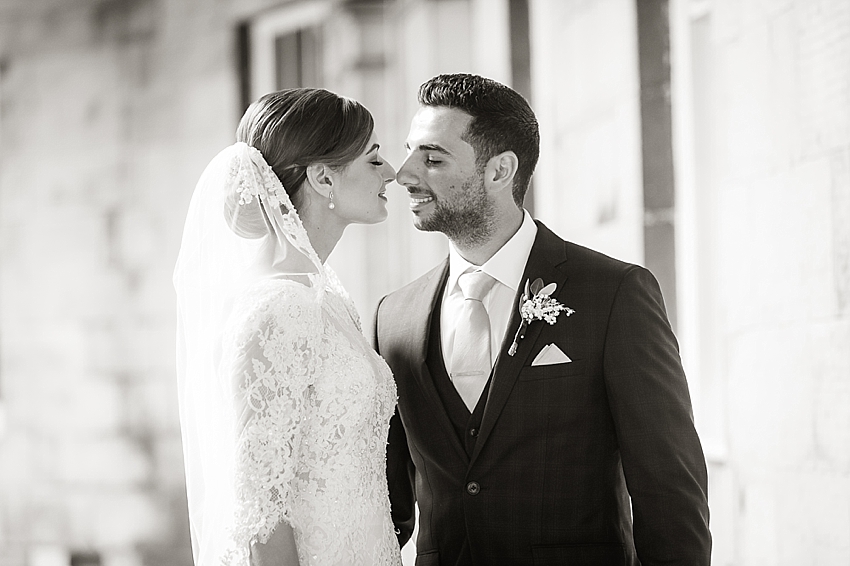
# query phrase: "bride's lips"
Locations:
[[383, 194]]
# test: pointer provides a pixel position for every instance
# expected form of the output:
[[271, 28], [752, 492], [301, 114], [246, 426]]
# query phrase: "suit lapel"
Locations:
[[547, 254], [423, 302], [415, 321]]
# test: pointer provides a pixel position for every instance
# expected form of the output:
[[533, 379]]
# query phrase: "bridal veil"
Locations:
[[241, 229]]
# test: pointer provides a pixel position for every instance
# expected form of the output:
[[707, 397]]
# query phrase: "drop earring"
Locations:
[[331, 204]]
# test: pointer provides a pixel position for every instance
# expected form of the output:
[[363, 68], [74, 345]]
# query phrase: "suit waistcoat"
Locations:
[[466, 425]]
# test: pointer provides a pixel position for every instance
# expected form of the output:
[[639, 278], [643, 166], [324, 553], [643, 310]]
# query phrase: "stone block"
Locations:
[[151, 407], [771, 398], [112, 519], [151, 347], [840, 175], [134, 239], [16, 465], [106, 349], [91, 408], [823, 39], [125, 517], [45, 520], [752, 88], [773, 262], [812, 517], [110, 462], [788, 440], [831, 382], [127, 556], [48, 555], [13, 555], [169, 470], [758, 536]]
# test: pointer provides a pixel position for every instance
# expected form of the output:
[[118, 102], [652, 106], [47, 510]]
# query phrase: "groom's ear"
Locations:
[[320, 179], [500, 171]]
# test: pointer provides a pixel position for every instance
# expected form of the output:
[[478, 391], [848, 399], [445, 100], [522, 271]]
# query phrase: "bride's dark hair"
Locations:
[[295, 128]]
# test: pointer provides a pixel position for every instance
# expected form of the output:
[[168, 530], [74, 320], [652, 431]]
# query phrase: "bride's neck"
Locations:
[[324, 228]]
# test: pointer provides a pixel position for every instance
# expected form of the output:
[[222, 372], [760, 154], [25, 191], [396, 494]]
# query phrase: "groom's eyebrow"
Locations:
[[429, 147]]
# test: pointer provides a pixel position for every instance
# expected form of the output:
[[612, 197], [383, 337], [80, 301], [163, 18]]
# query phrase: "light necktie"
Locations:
[[470, 364]]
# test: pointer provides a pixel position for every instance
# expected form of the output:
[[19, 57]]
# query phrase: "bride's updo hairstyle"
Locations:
[[294, 129]]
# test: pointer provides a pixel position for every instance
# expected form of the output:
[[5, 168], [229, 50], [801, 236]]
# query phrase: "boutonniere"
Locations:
[[537, 304]]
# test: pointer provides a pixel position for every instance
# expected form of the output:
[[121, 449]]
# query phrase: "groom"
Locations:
[[562, 436]]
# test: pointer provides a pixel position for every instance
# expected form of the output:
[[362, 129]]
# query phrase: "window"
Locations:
[[282, 48]]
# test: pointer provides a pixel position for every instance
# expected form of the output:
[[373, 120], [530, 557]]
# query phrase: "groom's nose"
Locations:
[[405, 174]]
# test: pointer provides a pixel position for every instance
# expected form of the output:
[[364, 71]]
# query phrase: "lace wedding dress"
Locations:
[[284, 405], [316, 410]]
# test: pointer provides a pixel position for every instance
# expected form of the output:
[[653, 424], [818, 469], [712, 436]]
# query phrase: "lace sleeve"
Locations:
[[276, 357]]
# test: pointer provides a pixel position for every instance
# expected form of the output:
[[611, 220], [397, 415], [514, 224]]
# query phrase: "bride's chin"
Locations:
[[383, 213], [381, 216]]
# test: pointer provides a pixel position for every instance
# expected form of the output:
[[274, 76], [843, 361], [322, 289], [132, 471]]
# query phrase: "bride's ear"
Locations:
[[319, 179]]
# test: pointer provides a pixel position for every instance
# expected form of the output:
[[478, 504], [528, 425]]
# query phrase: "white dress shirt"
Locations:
[[506, 267]]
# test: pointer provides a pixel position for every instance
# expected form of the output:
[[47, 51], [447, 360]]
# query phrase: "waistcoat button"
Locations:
[[472, 488]]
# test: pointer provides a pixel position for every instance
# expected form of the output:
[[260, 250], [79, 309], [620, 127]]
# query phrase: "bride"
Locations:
[[284, 407]]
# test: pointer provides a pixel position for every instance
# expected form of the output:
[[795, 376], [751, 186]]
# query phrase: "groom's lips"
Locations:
[[418, 200]]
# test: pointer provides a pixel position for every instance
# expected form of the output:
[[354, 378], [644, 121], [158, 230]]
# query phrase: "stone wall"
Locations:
[[108, 112], [767, 126], [761, 102]]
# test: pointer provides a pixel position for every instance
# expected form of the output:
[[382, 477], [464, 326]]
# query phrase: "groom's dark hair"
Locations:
[[502, 120]]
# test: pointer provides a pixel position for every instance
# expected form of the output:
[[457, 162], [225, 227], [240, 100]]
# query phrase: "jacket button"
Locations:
[[473, 432], [472, 488]]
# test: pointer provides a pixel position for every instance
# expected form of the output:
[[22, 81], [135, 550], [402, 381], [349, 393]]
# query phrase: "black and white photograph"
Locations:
[[424, 282]]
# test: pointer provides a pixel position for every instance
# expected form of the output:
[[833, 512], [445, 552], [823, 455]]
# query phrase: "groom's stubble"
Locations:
[[467, 217]]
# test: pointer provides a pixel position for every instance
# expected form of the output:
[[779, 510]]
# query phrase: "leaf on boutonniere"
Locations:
[[547, 290]]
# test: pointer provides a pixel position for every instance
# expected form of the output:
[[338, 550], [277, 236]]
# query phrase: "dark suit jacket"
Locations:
[[563, 450]]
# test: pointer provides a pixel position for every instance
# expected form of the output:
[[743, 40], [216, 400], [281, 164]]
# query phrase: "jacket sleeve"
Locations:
[[400, 468], [662, 457]]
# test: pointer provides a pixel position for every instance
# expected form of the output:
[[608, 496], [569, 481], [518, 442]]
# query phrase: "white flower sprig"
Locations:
[[537, 304]]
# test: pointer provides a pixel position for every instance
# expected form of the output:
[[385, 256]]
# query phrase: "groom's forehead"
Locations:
[[437, 125]]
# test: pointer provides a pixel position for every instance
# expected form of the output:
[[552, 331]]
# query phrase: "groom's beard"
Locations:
[[467, 218]]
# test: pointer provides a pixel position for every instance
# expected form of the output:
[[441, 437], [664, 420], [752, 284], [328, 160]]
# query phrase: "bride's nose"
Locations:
[[389, 172]]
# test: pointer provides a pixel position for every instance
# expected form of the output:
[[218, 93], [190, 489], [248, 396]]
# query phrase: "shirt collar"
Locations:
[[507, 265]]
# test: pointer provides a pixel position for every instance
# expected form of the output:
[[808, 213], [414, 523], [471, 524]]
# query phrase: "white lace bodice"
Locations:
[[313, 404]]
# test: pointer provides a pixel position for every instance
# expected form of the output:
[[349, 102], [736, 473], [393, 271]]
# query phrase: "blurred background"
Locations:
[[706, 139]]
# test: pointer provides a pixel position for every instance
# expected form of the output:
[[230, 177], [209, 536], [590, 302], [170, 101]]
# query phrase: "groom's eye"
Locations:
[[430, 161]]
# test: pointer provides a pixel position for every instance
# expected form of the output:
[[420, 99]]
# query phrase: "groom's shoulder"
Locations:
[[596, 260], [414, 290], [584, 258]]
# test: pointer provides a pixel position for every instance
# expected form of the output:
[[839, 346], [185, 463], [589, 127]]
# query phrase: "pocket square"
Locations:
[[550, 354]]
